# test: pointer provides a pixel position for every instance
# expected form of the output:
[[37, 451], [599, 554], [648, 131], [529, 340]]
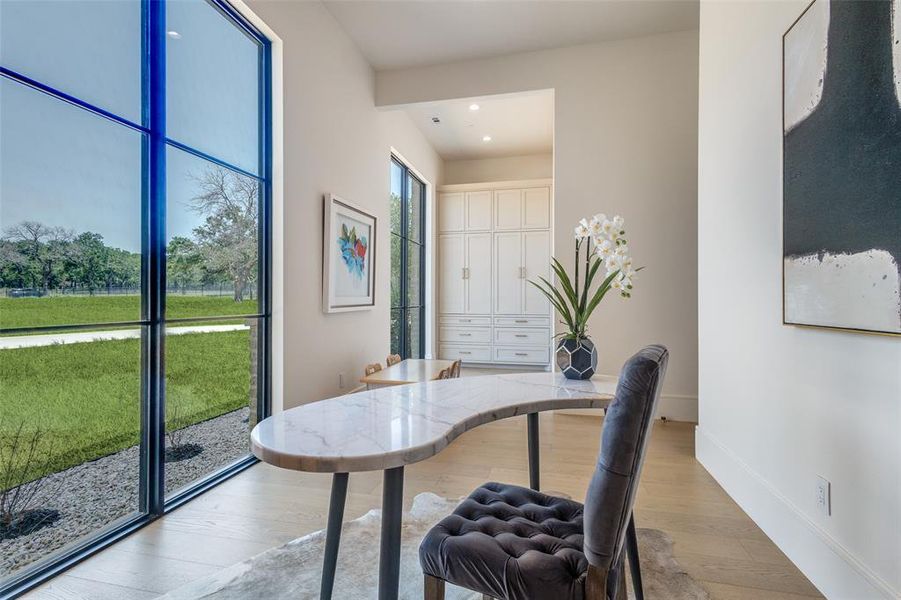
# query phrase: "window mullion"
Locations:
[[155, 248]]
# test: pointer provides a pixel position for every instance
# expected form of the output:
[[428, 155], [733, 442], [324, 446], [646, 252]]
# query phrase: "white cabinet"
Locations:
[[518, 257], [478, 211], [536, 208], [452, 292], [491, 242], [508, 210], [478, 273], [451, 211], [536, 262], [508, 273], [465, 286]]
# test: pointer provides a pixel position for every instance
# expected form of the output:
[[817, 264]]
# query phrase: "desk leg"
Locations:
[[392, 515], [333, 534], [534, 457], [632, 552]]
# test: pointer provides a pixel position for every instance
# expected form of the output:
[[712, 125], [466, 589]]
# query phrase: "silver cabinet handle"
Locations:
[[464, 352], [521, 321], [466, 320], [521, 354], [521, 335], [465, 272], [465, 335]]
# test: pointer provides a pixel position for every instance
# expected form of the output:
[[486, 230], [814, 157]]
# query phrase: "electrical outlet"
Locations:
[[824, 496], [340, 381]]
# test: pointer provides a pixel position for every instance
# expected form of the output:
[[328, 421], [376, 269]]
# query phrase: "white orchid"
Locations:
[[581, 231], [609, 250]]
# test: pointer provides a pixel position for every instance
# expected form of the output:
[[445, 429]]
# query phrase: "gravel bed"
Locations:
[[96, 493]]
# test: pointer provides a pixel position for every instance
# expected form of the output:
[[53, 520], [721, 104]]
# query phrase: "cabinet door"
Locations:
[[508, 273], [536, 260], [451, 254], [507, 209], [451, 211], [478, 268], [478, 211], [536, 208]]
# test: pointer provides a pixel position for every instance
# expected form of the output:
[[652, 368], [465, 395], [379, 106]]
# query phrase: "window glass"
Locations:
[[212, 77], [70, 216], [70, 423], [211, 397], [414, 274], [414, 209], [211, 239], [90, 49]]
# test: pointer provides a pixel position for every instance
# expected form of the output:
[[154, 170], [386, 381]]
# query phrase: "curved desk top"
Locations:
[[400, 425]]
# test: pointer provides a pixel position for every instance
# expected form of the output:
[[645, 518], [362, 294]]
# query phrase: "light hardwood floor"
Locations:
[[264, 506]]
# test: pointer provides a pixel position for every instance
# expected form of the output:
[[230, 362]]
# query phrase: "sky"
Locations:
[[64, 166]]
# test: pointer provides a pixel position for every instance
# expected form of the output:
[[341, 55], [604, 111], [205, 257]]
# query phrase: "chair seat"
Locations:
[[512, 543]]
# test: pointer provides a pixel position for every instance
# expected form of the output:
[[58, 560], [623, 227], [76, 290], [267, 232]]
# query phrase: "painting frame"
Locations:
[[347, 256], [825, 253]]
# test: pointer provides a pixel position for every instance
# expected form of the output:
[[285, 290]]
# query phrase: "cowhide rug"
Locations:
[[293, 570]]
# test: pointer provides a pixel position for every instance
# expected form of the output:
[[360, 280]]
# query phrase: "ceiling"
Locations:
[[394, 34], [518, 124]]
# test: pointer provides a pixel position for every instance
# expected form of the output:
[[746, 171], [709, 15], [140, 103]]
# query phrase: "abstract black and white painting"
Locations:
[[842, 166]]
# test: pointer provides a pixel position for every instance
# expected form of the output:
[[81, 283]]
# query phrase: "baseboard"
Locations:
[[675, 407], [831, 567]]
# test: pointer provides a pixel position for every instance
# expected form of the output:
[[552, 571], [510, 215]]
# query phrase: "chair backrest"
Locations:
[[624, 440], [392, 359], [444, 373], [373, 368], [455, 369]]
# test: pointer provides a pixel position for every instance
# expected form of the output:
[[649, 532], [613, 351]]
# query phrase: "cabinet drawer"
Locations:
[[520, 337], [474, 335], [465, 353], [522, 322], [530, 354], [466, 321]]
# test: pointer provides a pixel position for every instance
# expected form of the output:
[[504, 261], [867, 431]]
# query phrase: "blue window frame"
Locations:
[[227, 158]]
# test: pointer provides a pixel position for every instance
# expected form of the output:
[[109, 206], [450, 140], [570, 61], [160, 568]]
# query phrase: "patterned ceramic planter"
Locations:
[[577, 359]]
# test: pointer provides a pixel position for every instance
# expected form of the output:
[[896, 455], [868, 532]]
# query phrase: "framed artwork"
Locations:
[[842, 167], [348, 256]]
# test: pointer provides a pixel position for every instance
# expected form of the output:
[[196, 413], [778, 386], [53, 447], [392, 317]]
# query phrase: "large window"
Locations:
[[407, 262], [134, 266]]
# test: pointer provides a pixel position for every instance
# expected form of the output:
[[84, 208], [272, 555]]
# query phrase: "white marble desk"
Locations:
[[390, 427]]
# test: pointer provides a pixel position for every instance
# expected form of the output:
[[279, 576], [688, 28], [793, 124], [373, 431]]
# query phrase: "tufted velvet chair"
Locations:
[[514, 543]]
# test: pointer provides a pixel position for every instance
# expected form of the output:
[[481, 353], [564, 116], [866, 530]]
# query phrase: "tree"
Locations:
[[41, 247], [91, 258], [227, 240], [183, 262]]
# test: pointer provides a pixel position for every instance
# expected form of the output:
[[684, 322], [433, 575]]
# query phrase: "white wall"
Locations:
[[334, 141], [779, 404], [504, 168], [625, 141]]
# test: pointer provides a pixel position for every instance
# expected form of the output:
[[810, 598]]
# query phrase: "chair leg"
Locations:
[[434, 588], [634, 562]]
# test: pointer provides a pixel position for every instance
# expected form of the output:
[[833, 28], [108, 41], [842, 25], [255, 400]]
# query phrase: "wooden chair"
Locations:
[[445, 373], [393, 359], [455, 369], [373, 368]]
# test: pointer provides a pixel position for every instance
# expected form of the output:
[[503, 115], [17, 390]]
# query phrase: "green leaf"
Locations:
[[589, 278], [596, 299], [563, 307], [565, 283]]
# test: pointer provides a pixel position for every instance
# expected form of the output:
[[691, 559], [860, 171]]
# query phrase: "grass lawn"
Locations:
[[75, 310], [85, 397]]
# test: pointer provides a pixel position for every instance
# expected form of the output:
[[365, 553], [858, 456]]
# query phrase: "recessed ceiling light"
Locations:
[[473, 107], [486, 138], [174, 35]]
